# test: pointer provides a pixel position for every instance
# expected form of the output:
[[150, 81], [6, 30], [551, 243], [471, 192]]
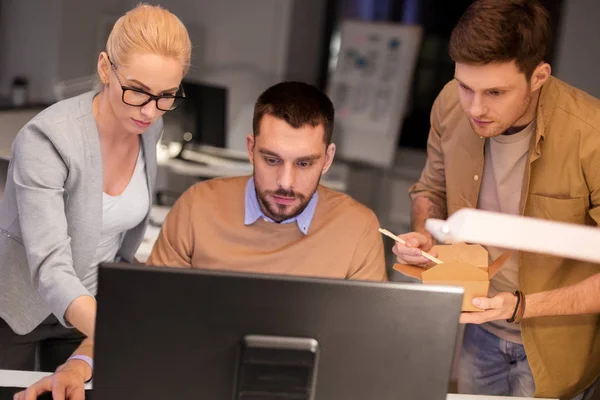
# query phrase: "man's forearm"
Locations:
[[423, 208], [580, 298]]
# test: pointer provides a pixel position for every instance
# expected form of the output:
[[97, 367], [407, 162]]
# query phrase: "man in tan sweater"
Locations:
[[508, 137], [280, 220]]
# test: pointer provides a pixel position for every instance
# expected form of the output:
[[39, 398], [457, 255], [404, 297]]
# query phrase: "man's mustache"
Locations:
[[285, 193]]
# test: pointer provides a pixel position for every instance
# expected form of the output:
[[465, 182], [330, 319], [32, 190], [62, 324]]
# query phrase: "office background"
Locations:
[[243, 46]]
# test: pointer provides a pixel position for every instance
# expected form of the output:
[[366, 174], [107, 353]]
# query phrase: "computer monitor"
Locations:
[[203, 114], [199, 334]]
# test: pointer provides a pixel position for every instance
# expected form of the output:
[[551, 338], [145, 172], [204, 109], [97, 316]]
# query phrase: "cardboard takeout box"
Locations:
[[464, 265]]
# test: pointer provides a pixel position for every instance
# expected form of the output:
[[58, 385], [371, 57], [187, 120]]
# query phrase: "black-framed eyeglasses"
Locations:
[[139, 98]]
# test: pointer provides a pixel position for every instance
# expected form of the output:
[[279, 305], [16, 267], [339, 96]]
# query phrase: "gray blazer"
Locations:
[[51, 214]]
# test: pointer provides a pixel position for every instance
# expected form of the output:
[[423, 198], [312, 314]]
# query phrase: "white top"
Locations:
[[119, 214]]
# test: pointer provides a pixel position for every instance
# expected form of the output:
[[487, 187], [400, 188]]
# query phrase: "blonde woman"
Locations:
[[78, 191]]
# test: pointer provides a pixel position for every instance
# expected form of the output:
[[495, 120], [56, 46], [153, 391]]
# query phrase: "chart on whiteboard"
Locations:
[[372, 77]]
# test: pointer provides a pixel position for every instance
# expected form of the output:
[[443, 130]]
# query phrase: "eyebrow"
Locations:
[[146, 88], [312, 157], [501, 88]]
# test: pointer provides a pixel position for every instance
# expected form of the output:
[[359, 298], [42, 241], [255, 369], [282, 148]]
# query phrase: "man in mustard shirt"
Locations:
[[508, 137]]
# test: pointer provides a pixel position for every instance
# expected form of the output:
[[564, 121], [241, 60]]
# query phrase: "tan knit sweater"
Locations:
[[205, 229]]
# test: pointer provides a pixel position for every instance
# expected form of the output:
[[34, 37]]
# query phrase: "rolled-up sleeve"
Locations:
[[39, 173]]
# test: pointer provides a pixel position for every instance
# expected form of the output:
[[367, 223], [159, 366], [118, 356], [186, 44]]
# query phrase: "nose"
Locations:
[[286, 177], [149, 110], [477, 108]]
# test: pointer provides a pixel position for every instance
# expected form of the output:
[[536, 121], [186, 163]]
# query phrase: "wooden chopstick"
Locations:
[[397, 239]]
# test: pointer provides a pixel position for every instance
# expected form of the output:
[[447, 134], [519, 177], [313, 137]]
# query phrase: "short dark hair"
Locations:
[[502, 31], [298, 104]]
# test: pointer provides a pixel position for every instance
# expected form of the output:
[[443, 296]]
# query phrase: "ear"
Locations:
[[540, 75], [103, 67], [250, 145], [329, 155]]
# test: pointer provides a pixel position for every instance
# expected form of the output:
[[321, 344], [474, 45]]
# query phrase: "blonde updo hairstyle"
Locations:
[[149, 29]]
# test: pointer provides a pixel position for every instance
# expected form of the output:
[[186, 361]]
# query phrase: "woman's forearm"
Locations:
[[86, 348], [81, 313]]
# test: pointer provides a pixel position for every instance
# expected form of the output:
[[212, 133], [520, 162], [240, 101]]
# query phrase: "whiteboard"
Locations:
[[370, 86]]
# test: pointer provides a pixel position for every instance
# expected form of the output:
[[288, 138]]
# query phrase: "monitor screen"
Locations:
[[201, 118], [199, 334]]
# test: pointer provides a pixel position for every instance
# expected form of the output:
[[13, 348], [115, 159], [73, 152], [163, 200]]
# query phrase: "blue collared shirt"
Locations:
[[253, 211]]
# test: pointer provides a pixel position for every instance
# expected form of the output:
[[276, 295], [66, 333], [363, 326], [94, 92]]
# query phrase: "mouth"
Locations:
[[286, 201], [480, 123], [140, 124]]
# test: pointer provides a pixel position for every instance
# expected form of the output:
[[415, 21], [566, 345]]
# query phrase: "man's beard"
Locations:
[[282, 212]]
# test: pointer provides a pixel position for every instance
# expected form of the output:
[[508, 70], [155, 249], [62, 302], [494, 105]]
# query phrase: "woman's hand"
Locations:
[[67, 383]]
